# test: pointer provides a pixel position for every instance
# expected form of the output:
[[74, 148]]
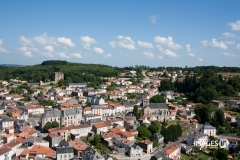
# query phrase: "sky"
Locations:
[[121, 33]]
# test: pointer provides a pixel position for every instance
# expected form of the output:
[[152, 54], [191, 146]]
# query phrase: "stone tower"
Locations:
[[58, 76]]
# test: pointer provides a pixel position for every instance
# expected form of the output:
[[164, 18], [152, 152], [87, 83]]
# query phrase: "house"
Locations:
[[6, 153], [209, 130], [65, 117], [91, 154], [159, 110], [197, 140], [78, 147], [218, 103], [135, 151], [229, 118], [147, 146], [36, 141], [101, 127], [34, 109], [157, 137], [77, 85], [6, 122], [234, 103], [37, 151], [186, 149], [64, 151], [173, 152], [77, 93]]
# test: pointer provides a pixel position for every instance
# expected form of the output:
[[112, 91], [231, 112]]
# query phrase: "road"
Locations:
[[181, 139], [144, 157]]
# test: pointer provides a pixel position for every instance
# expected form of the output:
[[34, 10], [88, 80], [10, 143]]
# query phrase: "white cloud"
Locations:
[[62, 54], [228, 55], [112, 43], [124, 42], [49, 49], [98, 50], [148, 54], [170, 53], [235, 25], [87, 39], [189, 50], [160, 57], [87, 46], [167, 52], [191, 54], [76, 55], [159, 48], [229, 35], [229, 42], [153, 18], [48, 54], [65, 41], [200, 59], [3, 50], [28, 54], [107, 55], [238, 47], [214, 44], [24, 41], [27, 51], [45, 40], [145, 44], [167, 42]]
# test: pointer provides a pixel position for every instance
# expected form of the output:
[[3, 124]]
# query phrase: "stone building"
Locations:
[[158, 110], [58, 76]]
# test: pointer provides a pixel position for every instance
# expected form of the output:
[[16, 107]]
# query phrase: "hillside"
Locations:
[[73, 72]]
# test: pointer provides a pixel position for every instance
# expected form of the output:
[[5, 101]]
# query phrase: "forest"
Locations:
[[204, 88]]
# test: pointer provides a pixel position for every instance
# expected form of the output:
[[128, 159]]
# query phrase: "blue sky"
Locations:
[[121, 33]]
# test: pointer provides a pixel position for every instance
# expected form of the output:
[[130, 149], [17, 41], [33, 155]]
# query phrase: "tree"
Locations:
[[47, 126], [219, 116], [40, 94], [157, 99], [50, 125], [222, 154], [143, 132], [135, 111], [55, 124], [96, 139], [9, 114], [154, 127]]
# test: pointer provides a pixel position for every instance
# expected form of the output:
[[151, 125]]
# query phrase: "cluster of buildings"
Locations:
[[81, 111]]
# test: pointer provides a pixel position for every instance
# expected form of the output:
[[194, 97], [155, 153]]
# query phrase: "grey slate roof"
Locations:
[[6, 119], [51, 114], [128, 104], [208, 126], [64, 147], [59, 113], [33, 139], [91, 154], [158, 105]]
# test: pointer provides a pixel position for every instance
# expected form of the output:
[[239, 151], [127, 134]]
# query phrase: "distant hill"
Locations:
[[11, 65]]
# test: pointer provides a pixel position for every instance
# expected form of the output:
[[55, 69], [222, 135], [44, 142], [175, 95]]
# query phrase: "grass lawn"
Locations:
[[185, 128], [199, 156], [234, 114]]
